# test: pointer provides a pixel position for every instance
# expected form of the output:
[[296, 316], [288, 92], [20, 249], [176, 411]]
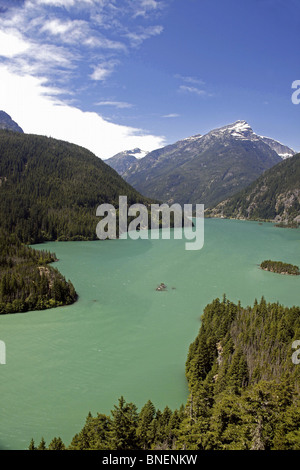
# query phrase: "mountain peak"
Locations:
[[7, 123], [238, 129]]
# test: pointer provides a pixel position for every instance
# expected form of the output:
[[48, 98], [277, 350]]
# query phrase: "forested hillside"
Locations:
[[273, 196], [50, 189], [243, 390]]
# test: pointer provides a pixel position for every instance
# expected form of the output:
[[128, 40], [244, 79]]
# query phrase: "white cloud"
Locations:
[[51, 48], [138, 37], [56, 3], [104, 43], [194, 90], [74, 31], [144, 6], [25, 100], [90, 32], [12, 45], [172, 115], [69, 32], [188, 79], [115, 104], [103, 71]]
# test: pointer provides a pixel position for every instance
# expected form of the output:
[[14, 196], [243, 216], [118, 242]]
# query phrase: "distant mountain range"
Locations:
[[274, 196], [203, 168], [50, 189], [7, 123]]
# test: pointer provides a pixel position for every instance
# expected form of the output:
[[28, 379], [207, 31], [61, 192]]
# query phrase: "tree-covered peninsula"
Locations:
[[244, 391], [27, 282], [280, 267]]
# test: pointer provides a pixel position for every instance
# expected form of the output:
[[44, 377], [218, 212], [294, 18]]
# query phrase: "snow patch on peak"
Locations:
[[192, 138], [282, 150], [141, 154], [286, 155], [239, 129], [137, 153]]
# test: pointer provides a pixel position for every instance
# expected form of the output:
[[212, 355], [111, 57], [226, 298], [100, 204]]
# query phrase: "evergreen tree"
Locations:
[[32, 445], [42, 445], [124, 424], [144, 430], [56, 444]]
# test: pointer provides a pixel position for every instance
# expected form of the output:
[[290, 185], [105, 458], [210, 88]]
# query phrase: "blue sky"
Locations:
[[114, 75]]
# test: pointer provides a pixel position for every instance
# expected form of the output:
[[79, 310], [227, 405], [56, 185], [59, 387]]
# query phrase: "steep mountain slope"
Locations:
[[6, 122], [50, 189], [282, 150], [123, 161], [203, 169], [274, 196]]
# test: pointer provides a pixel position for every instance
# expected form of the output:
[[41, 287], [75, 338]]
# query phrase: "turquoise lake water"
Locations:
[[123, 337]]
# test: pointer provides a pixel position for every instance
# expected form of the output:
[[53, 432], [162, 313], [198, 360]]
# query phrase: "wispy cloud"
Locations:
[[115, 104], [52, 49], [90, 32], [103, 70], [171, 115], [192, 89], [188, 79], [146, 6], [138, 37], [192, 85]]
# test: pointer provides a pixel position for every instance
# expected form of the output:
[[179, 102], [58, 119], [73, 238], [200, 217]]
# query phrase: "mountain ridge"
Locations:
[[203, 168], [274, 196], [6, 123], [122, 161]]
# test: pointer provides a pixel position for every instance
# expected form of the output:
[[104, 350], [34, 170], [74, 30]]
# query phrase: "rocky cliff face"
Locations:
[[282, 150], [6, 122]]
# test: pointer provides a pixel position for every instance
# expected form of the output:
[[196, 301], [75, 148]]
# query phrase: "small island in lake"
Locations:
[[280, 267], [161, 287]]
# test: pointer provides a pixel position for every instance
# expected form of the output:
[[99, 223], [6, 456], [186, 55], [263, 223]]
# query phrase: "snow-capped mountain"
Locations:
[[123, 161], [204, 168], [282, 150], [242, 130]]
